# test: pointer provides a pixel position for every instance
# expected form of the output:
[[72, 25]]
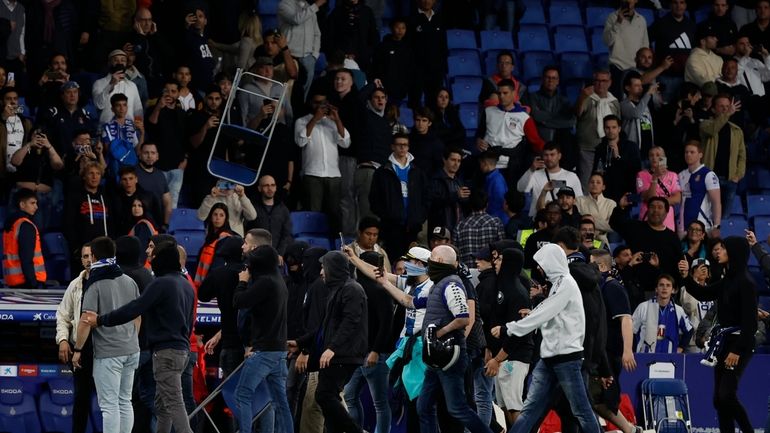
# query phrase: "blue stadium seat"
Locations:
[[648, 14], [572, 91], [56, 406], [565, 13], [184, 219], [533, 87], [759, 178], [533, 37], [533, 14], [469, 115], [733, 226], [56, 255], [316, 241], [406, 116], [758, 205], [490, 62], [464, 64], [737, 207], [602, 61], [496, 40], [338, 246], [96, 415], [702, 13], [192, 241], [597, 16], [533, 64], [597, 43], [570, 39], [762, 228], [458, 38], [269, 21], [466, 89], [309, 223], [267, 7], [18, 413], [576, 66], [759, 278]]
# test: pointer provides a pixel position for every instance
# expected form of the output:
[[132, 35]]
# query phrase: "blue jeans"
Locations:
[[483, 387], [174, 180], [728, 190], [187, 387], [545, 382], [377, 378], [271, 367], [114, 380], [146, 381], [308, 62], [452, 384]]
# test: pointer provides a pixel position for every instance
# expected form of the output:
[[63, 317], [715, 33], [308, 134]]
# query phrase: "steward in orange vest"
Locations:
[[23, 264]]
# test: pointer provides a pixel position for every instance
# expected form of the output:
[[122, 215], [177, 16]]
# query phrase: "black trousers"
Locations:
[[83, 381], [331, 381], [729, 409]]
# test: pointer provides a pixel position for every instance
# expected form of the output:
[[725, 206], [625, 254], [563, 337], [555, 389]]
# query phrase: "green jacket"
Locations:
[[709, 135]]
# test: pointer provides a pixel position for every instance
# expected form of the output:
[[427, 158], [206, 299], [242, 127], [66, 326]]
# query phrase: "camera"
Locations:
[[82, 150], [117, 68], [646, 256]]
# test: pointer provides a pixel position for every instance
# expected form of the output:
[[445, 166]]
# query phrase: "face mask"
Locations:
[[438, 271], [413, 270]]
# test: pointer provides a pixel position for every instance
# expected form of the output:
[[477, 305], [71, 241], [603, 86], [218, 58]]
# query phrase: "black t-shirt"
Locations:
[[170, 137], [722, 161], [36, 168], [616, 304]]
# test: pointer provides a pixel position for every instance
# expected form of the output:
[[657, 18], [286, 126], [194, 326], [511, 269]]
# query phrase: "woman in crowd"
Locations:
[[217, 227], [144, 226], [694, 241], [446, 123]]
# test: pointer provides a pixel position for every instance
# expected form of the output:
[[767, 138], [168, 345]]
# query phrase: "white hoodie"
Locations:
[[560, 316]]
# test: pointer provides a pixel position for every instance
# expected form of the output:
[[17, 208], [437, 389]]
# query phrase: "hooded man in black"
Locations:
[[736, 304], [343, 340], [295, 283]]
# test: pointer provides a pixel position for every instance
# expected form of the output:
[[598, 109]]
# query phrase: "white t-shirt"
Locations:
[[535, 181], [15, 129]]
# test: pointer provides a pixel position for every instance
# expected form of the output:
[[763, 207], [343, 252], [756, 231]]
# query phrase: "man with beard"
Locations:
[[617, 158], [543, 237], [154, 181], [203, 126]]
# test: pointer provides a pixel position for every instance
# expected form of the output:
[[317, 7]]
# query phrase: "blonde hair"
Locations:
[[251, 26]]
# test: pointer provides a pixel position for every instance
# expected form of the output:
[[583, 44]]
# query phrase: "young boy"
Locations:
[[23, 264], [660, 326], [187, 97], [121, 136]]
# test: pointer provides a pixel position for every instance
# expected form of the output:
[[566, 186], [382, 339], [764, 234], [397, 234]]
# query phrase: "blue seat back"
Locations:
[[465, 63], [596, 16], [565, 13], [533, 14], [597, 43], [184, 219], [466, 89], [533, 64], [56, 406], [496, 40], [532, 37], [18, 413], [570, 39], [459, 38], [758, 205], [309, 223], [733, 226], [405, 116], [576, 66], [191, 240], [469, 115], [56, 255], [316, 241]]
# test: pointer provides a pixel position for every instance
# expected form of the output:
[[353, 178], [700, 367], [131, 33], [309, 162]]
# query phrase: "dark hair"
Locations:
[[665, 276], [540, 216], [514, 199], [448, 151], [81, 131], [346, 71], [699, 222], [631, 75], [262, 236], [569, 236], [23, 194], [165, 258], [552, 145], [213, 89], [554, 204], [56, 54], [102, 248], [688, 89], [597, 173], [587, 221], [611, 117], [118, 97], [148, 143], [423, 112], [211, 232], [398, 19], [506, 53], [547, 68], [660, 199], [126, 169], [479, 200], [619, 249], [506, 83], [398, 135], [173, 81], [224, 75], [721, 96], [6, 90], [367, 222]]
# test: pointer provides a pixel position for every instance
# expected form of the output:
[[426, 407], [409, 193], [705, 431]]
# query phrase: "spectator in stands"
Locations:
[[588, 238], [513, 205], [67, 319], [542, 236], [644, 62], [566, 199], [116, 350], [625, 32], [655, 247], [64, 116], [506, 65], [153, 181], [752, 72], [144, 226], [426, 147], [368, 240], [427, 35], [726, 31], [127, 191], [262, 292], [256, 108], [446, 192], [730, 84], [217, 225], [116, 82], [80, 152], [593, 105], [319, 134], [624, 262], [87, 213], [168, 304], [552, 111], [477, 229], [447, 124], [635, 112], [397, 197], [36, 165], [494, 184], [658, 181], [23, 264], [757, 29], [272, 215], [597, 205], [668, 319], [677, 123], [545, 170], [506, 127], [52, 80], [374, 150], [14, 129], [242, 50], [297, 20], [439, 236], [133, 74], [153, 54], [121, 135], [187, 96], [701, 198], [166, 124], [351, 28], [15, 51], [704, 64], [196, 49], [696, 310], [393, 61], [202, 127], [673, 35], [276, 47], [239, 206], [694, 242], [723, 148]]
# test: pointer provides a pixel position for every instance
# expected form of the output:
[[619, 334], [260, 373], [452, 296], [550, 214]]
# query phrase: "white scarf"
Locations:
[[603, 108], [103, 262]]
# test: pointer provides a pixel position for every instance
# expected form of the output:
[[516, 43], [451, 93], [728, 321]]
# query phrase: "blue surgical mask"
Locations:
[[413, 270]]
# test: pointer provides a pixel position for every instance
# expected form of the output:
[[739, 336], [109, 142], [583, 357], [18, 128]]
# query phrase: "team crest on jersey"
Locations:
[[514, 123]]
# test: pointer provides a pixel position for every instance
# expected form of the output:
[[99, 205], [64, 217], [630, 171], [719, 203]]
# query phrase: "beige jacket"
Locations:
[[68, 311]]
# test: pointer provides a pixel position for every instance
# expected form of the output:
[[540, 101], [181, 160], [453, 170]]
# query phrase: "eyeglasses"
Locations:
[[695, 230]]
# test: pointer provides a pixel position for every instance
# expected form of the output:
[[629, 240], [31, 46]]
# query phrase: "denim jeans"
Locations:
[[270, 367], [174, 180], [114, 380], [545, 382], [728, 190], [308, 62], [377, 378], [187, 387], [348, 207], [167, 367], [146, 382], [483, 387], [452, 384]]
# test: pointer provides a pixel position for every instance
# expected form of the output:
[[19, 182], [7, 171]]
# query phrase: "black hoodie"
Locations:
[[511, 297], [128, 250], [588, 278], [314, 306], [220, 283], [295, 283], [266, 296], [379, 309], [345, 327], [735, 295], [26, 240]]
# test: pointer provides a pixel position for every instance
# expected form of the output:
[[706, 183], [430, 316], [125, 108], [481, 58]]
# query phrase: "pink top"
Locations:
[[670, 180]]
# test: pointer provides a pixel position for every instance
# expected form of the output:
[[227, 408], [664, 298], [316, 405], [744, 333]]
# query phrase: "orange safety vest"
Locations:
[[206, 259], [12, 261]]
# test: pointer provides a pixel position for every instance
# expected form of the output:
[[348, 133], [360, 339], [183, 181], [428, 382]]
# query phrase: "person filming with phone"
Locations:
[[238, 204], [625, 32], [545, 170], [116, 82], [659, 182]]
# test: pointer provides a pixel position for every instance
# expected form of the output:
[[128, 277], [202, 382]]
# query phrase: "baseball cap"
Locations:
[[440, 233], [566, 191], [263, 61], [70, 85], [114, 53], [705, 30], [417, 253], [697, 262], [709, 89], [484, 254]]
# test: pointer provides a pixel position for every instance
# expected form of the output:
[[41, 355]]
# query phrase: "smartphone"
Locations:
[[82, 149], [225, 185], [52, 75], [11, 77], [663, 161], [559, 183], [381, 263], [633, 199], [342, 241]]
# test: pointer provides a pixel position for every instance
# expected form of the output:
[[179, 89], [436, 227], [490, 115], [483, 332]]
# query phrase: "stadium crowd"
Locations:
[[537, 245]]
